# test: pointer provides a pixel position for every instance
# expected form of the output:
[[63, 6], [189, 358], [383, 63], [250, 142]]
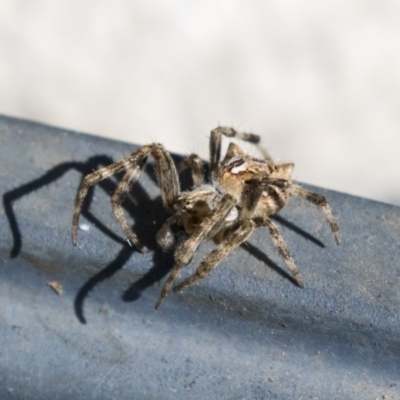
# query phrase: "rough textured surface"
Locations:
[[244, 332]]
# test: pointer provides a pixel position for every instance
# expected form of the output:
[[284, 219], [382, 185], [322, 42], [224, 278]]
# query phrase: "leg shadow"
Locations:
[[261, 256], [298, 230], [137, 205], [12, 196]]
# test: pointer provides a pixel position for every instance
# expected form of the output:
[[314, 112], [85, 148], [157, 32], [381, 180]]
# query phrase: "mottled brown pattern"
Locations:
[[241, 193]]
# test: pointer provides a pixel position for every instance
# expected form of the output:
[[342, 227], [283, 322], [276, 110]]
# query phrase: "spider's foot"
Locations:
[[74, 236], [135, 243], [159, 302], [164, 292], [338, 238], [299, 280], [168, 284]]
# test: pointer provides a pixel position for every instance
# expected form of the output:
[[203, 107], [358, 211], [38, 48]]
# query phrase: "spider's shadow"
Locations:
[[51, 176], [137, 205]]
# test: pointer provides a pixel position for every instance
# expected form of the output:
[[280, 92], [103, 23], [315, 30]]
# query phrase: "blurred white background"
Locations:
[[319, 80]]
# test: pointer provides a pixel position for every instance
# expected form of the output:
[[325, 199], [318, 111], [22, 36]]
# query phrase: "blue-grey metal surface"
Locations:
[[246, 331]]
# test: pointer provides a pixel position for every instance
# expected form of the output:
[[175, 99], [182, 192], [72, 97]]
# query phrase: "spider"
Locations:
[[241, 194]]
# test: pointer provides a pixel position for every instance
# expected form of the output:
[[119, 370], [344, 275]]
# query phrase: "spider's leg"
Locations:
[[186, 250], [215, 144], [319, 201], [165, 171], [168, 283], [165, 237], [215, 151], [166, 174], [234, 239], [195, 164], [122, 189], [167, 178], [94, 178], [283, 250]]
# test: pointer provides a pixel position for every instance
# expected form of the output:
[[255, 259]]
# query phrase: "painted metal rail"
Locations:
[[246, 331]]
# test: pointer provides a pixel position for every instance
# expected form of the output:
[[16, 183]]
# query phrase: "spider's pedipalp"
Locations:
[[165, 237], [319, 201], [235, 238]]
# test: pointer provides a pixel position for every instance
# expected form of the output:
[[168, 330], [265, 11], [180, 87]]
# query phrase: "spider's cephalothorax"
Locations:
[[239, 196]]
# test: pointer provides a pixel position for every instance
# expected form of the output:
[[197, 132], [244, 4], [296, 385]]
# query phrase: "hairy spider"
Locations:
[[241, 194]]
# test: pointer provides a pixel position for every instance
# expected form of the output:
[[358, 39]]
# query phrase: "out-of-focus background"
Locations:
[[319, 80]]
